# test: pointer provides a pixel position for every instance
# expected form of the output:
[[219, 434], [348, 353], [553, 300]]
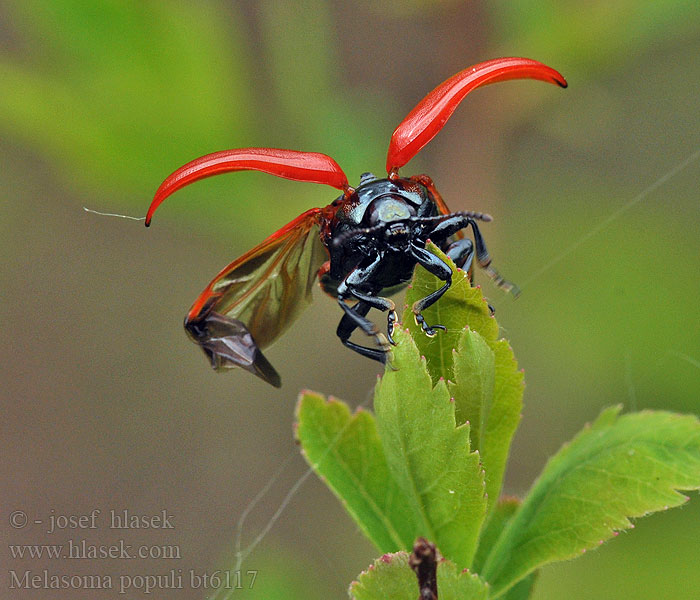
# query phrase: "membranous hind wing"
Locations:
[[251, 302]]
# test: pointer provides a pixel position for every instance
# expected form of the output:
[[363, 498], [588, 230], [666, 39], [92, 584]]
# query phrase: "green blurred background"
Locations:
[[106, 404]]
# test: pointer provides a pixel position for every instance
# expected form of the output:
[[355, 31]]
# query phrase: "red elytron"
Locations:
[[369, 239]]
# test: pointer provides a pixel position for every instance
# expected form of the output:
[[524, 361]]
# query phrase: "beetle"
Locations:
[[362, 247]]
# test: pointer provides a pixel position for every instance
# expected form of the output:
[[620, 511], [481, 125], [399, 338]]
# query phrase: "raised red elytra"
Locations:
[[362, 246]]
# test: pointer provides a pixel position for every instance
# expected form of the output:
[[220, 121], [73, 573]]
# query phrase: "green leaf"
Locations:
[[502, 419], [474, 374], [346, 453], [616, 469], [390, 577], [523, 589], [487, 386], [461, 305], [429, 457], [503, 512], [416, 472]]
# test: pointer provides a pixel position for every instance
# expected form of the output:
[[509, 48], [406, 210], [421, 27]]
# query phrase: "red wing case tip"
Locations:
[[311, 167], [430, 115]]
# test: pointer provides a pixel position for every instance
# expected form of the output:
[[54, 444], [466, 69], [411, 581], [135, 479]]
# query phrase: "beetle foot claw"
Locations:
[[430, 331]]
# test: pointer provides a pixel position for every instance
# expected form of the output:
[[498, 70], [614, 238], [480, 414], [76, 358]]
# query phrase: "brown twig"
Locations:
[[423, 561]]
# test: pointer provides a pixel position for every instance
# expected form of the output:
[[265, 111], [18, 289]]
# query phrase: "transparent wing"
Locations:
[[251, 302]]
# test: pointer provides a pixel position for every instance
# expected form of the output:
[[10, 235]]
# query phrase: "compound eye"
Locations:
[[389, 208]]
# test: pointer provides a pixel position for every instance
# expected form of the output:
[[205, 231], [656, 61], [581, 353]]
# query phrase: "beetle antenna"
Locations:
[[340, 239], [469, 214], [485, 217]]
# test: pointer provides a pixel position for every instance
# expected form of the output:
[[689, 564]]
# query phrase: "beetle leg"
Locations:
[[447, 227], [349, 323], [484, 260], [351, 287], [441, 270], [391, 320], [383, 304], [462, 253], [358, 319]]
